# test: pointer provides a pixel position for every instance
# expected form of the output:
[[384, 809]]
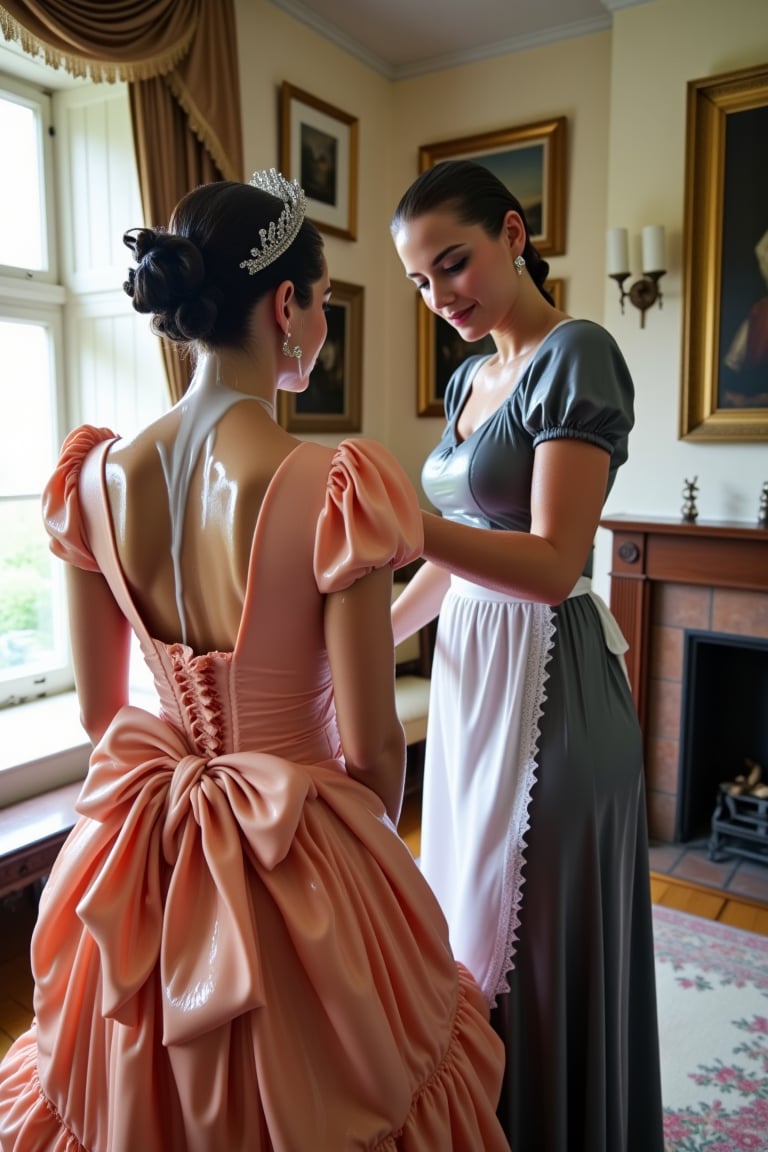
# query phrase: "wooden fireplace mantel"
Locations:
[[718, 553]]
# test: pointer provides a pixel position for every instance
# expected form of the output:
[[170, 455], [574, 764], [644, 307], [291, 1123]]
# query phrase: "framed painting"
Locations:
[[332, 401], [318, 147], [441, 349], [724, 387], [530, 160]]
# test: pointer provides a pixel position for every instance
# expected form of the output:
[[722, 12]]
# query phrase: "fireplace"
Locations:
[[723, 740], [675, 585]]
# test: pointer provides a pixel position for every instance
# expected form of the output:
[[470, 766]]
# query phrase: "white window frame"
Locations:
[[42, 743], [59, 677], [34, 295], [39, 100]]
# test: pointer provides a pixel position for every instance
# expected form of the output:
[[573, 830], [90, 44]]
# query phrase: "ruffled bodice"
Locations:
[[361, 514]]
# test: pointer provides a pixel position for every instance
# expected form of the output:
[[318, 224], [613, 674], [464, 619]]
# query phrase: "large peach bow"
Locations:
[[170, 875]]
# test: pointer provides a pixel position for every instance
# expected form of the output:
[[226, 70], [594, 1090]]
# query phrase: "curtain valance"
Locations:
[[105, 40], [187, 42], [179, 58]]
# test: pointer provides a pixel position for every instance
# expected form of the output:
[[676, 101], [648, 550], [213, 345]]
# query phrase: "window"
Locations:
[[34, 658], [26, 239], [72, 351]]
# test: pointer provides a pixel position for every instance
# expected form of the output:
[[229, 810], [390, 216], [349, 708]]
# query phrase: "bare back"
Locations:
[[183, 529]]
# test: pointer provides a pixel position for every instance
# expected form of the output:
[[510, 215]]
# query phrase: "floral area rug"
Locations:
[[712, 987]]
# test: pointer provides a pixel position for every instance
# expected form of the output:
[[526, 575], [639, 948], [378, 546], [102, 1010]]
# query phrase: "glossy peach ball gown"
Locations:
[[234, 949]]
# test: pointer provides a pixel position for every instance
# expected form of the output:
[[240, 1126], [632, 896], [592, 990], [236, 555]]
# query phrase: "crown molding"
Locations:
[[333, 33], [615, 5], [391, 71]]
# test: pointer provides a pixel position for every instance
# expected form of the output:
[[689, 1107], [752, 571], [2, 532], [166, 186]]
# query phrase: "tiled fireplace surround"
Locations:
[[667, 577]]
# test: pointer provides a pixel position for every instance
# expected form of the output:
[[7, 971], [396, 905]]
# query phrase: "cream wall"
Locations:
[[657, 48], [624, 95], [273, 47]]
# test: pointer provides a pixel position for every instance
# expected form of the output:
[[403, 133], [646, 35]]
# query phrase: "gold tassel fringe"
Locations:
[[99, 71]]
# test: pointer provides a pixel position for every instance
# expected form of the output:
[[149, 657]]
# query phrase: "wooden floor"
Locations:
[[695, 899], [17, 918]]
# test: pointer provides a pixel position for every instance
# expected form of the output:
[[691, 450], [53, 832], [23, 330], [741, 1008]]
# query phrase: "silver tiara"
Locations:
[[281, 233]]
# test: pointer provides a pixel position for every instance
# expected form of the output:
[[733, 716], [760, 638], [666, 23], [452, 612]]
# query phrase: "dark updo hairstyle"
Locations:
[[189, 276], [476, 196]]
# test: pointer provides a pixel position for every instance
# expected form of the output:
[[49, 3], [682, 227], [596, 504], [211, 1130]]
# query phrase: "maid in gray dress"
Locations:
[[533, 830]]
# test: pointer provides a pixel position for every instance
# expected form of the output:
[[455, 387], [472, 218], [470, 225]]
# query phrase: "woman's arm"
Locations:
[[420, 601], [100, 637], [358, 636], [567, 496]]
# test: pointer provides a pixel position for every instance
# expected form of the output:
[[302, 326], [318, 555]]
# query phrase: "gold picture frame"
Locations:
[[332, 401], [319, 148], [441, 349], [530, 160], [724, 389]]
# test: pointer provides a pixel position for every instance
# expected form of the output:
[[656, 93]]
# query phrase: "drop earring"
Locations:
[[519, 265], [294, 352]]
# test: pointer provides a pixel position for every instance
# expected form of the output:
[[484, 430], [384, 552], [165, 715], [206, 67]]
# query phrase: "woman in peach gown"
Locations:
[[234, 949]]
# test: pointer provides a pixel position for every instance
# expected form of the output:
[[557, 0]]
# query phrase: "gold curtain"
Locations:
[[179, 58]]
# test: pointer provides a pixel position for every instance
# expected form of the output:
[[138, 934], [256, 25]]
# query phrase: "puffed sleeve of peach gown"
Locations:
[[62, 515], [370, 518]]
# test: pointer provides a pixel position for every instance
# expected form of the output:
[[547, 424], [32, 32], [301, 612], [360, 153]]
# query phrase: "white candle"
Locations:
[[618, 252], [654, 259]]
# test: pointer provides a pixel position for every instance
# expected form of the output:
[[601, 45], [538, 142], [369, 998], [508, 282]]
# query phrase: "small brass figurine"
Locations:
[[689, 509], [762, 515]]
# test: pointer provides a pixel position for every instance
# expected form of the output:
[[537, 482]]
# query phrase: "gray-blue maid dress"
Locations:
[[534, 825]]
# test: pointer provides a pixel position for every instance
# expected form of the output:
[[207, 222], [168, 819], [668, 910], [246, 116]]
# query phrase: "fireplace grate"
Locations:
[[739, 827]]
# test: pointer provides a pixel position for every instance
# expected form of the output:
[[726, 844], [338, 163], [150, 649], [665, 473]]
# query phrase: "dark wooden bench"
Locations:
[[31, 834]]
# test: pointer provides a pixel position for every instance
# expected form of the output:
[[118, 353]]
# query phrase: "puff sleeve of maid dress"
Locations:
[[234, 949]]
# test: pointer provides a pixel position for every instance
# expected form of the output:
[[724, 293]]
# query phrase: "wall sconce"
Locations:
[[645, 291]]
